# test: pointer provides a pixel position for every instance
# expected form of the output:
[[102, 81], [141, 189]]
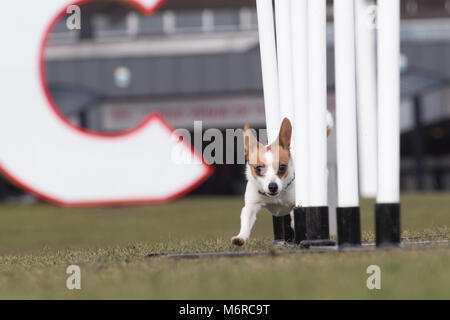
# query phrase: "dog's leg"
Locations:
[[248, 218]]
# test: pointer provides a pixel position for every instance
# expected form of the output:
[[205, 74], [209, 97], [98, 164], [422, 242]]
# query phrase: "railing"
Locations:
[[163, 23]]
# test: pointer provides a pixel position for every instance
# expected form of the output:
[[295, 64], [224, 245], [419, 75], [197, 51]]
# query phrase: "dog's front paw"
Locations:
[[237, 241]]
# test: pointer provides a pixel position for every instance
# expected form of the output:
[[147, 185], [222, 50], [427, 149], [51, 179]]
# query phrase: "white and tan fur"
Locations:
[[279, 198]]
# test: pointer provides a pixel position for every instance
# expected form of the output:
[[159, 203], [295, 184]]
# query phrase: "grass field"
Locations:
[[38, 242]]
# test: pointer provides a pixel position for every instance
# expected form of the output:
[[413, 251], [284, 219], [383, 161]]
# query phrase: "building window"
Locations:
[[104, 27], [151, 24], [188, 20], [226, 19]]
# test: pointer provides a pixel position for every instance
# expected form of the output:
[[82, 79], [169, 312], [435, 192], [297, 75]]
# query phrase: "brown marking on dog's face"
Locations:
[[256, 161], [259, 168], [282, 165], [281, 149], [255, 152]]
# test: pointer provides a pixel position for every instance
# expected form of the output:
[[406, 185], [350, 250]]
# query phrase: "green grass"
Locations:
[[38, 242]]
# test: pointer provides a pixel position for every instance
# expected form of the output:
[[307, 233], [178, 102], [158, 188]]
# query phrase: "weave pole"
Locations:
[[299, 23], [271, 88], [366, 96], [269, 65], [348, 213], [317, 222], [284, 57], [283, 31], [387, 207]]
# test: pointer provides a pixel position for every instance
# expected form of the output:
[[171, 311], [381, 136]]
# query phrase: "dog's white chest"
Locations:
[[282, 205]]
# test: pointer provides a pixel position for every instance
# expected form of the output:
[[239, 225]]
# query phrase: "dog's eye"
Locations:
[[282, 168], [259, 170]]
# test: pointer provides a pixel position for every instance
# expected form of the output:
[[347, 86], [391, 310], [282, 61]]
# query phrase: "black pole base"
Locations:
[[387, 225], [300, 224], [282, 231], [317, 224], [348, 227], [306, 244], [312, 227]]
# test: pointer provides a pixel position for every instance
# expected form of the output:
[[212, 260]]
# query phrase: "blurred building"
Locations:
[[199, 60]]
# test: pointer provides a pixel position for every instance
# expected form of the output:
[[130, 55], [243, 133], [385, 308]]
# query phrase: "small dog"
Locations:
[[270, 178]]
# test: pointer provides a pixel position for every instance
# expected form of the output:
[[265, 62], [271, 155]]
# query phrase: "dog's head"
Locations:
[[269, 166]]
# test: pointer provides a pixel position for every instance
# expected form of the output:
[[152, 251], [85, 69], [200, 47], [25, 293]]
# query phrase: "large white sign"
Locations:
[[50, 157]]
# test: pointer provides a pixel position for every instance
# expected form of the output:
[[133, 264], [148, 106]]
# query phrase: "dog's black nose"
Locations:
[[273, 187]]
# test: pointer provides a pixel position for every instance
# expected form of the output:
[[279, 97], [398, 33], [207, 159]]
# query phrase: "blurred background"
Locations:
[[199, 60]]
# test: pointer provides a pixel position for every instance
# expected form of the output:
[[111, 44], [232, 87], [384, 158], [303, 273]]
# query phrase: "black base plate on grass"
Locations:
[[317, 243]]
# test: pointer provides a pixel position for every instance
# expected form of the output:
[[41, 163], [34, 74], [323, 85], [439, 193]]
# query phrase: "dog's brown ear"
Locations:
[[284, 137], [250, 141]]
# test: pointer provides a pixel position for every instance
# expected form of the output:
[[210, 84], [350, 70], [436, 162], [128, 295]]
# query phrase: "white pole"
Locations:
[[346, 132], [266, 28], [299, 21], [365, 12], [317, 96], [388, 101], [284, 52]]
